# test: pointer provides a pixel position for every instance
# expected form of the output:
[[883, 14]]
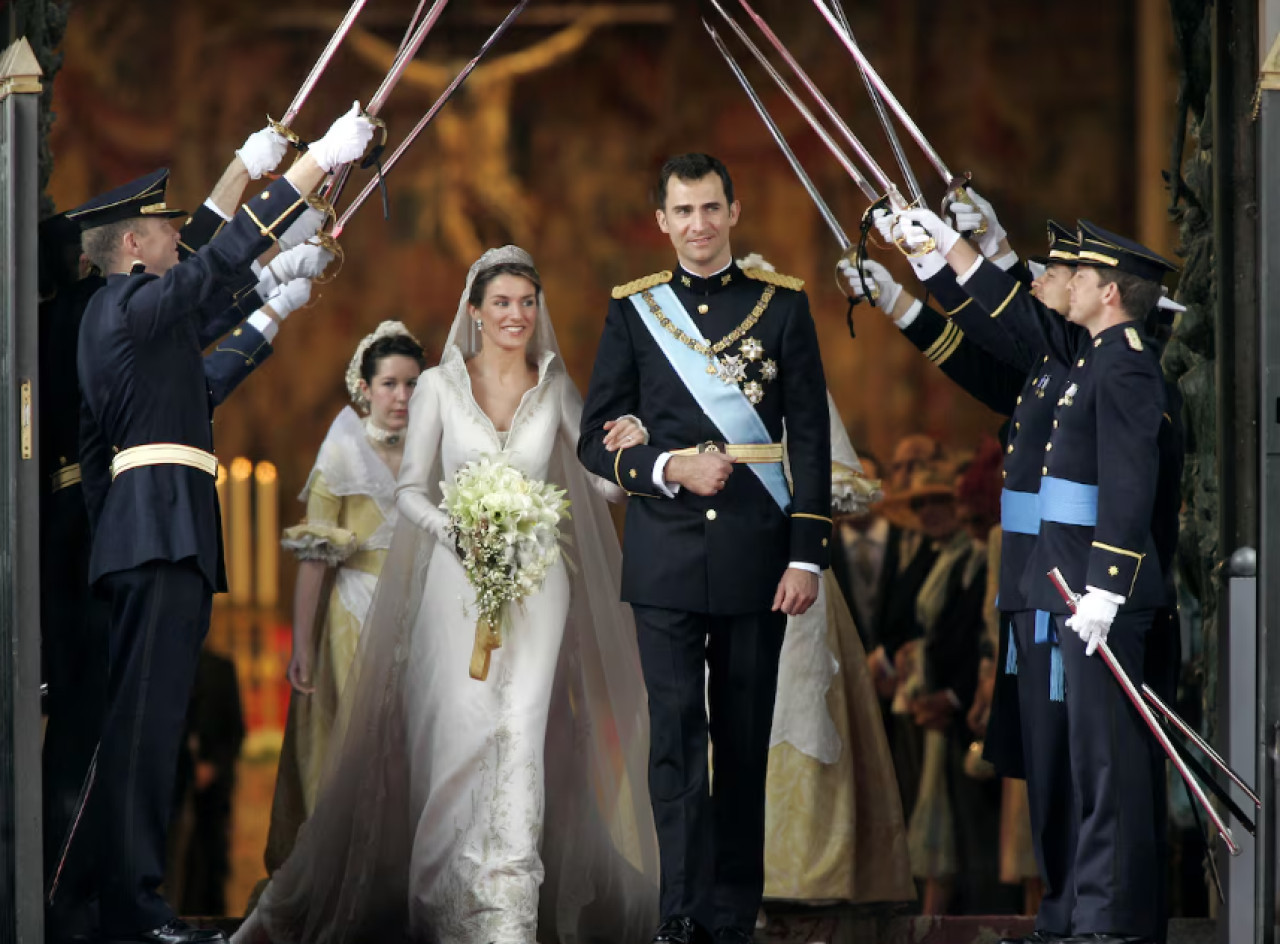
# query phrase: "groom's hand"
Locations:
[[796, 591], [703, 474]]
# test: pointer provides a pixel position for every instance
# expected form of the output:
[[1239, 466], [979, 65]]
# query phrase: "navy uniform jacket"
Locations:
[[1001, 371], [724, 554], [1102, 460], [144, 381]]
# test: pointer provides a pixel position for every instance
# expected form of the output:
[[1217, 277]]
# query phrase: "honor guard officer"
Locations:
[[148, 475], [718, 550], [1027, 734], [1098, 491]]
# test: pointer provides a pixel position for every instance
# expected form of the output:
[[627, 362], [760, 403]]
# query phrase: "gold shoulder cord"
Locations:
[[709, 351]]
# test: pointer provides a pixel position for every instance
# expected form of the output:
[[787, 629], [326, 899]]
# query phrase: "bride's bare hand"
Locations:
[[299, 674], [622, 434]]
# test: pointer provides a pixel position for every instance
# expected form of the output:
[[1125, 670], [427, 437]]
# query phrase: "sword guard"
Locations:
[[959, 190], [317, 202], [288, 134], [325, 241]]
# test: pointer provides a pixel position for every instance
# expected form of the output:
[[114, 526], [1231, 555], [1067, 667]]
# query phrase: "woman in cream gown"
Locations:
[[833, 820], [507, 810], [340, 545]]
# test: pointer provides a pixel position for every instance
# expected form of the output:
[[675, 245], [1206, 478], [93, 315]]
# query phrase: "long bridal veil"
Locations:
[[347, 879]]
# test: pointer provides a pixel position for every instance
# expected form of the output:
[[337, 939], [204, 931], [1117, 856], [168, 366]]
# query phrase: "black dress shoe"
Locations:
[[681, 930], [731, 935], [176, 931]]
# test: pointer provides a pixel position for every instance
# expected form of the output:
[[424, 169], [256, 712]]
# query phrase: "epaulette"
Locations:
[[775, 278], [639, 285], [1131, 336]]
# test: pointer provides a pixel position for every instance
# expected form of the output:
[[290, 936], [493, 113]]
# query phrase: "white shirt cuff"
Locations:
[[953, 698], [216, 209], [911, 314], [804, 565], [265, 324], [968, 274], [666, 488], [1007, 261]]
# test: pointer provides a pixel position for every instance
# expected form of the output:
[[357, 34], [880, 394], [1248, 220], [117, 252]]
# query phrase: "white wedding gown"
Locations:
[[469, 761]]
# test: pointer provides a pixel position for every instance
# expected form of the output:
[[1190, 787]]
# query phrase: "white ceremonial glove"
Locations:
[[302, 229], [926, 265], [345, 140], [919, 225], [289, 297], [877, 275], [969, 219], [307, 261], [1094, 614], [262, 151]]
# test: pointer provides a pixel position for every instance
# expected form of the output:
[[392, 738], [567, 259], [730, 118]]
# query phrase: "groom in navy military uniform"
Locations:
[[719, 547]]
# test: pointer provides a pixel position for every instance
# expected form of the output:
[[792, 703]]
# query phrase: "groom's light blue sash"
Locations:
[[725, 404]]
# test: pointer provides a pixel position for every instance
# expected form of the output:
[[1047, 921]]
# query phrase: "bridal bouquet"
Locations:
[[507, 530]]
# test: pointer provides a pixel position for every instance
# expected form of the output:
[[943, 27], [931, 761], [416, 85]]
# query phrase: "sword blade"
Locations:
[[322, 63], [869, 162], [868, 70], [404, 57], [877, 102], [823, 210], [1135, 697], [408, 31], [431, 113]]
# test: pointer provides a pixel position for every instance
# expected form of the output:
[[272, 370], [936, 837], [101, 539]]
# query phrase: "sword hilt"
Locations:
[[325, 241], [871, 292], [958, 191], [288, 134]]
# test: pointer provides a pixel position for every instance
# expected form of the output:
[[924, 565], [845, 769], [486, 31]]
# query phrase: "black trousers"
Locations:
[[1047, 764], [1116, 779], [159, 618], [710, 832]]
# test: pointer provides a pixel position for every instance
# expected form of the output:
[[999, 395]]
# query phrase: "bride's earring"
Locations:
[[479, 324]]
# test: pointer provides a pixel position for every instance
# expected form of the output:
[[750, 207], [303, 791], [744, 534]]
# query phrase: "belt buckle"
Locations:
[[712, 445]]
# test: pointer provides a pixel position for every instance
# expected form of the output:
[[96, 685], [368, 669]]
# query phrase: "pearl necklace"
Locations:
[[383, 437]]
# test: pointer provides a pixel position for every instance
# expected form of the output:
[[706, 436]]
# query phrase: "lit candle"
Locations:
[[267, 493], [240, 542], [221, 598]]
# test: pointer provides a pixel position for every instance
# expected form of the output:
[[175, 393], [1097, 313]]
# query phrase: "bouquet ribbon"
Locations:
[[488, 638]]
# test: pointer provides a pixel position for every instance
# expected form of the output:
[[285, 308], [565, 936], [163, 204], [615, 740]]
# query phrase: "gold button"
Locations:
[[1048, 447], [1017, 426], [1010, 449], [1004, 473], [62, 460], [1080, 363], [1055, 424], [1044, 470], [1046, 358], [824, 542], [711, 514], [266, 195], [1019, 398], [237, 332], [703, 309], [1097, 342]]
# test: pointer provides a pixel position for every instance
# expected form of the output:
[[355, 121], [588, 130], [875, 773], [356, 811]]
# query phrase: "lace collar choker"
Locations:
[[384, 437]]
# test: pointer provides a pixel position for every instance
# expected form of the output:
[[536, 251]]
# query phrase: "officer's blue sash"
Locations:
[[725, 404], [1067, 502], [1019, 512]]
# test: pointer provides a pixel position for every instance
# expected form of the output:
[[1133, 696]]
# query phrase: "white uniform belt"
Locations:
[[164, 454], [743, 452]]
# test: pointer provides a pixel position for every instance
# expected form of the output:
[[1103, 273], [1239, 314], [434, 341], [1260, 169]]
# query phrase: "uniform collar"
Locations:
[[726, 277], [1121, 333]]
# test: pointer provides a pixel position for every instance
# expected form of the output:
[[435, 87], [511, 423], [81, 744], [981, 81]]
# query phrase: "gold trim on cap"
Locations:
[[1092, 256]]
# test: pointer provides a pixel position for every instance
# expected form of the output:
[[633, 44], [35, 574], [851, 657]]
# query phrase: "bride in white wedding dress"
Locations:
[[508, 810]]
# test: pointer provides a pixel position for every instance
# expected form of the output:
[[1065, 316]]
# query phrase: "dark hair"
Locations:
[[102, 243], [481, 282], [691, 167], [395, 345], [1137, 295]]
